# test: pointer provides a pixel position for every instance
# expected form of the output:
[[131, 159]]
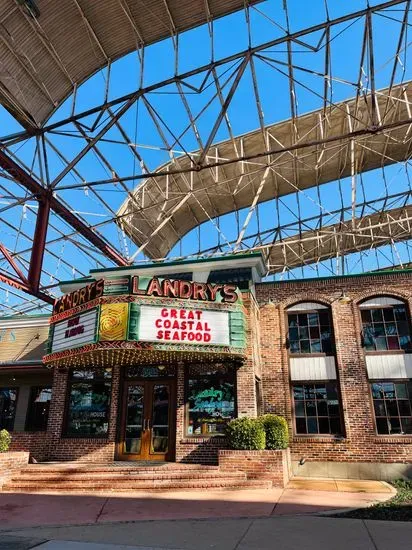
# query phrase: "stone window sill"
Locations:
[[393, 439], [201, 439], [318, 439]]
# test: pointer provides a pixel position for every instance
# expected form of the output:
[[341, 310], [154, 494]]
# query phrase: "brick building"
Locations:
[[149, 363]]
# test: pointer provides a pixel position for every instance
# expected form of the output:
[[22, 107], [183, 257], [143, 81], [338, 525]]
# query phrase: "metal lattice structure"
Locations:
[[137, 131]]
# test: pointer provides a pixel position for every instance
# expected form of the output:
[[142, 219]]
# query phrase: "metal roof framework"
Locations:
[[192, 164]]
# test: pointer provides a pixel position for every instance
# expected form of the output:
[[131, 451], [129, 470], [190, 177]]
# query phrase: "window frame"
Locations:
[[372, 404], [65, 424], [17, 400], [187, 377], [370, 308], [29, 405], [301, 311], [341, 415]]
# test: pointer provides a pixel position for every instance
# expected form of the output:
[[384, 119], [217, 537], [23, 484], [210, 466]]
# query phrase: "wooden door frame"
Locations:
[[148, 384]]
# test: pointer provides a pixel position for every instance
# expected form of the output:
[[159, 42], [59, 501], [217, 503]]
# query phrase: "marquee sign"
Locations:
[[184, 325], [79, 297], [186, 290], [75, 331]]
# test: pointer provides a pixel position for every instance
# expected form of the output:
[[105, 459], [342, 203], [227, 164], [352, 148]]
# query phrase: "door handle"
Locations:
[[144, 425], [148, 424]]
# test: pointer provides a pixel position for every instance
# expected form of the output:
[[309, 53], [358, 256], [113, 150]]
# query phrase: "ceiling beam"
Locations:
[[42, 193]]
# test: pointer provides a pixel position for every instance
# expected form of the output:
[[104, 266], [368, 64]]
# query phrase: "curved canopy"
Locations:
[[46, 53], [286, 157]]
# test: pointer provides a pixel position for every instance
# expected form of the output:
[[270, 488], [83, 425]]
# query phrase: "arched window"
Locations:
[[385, 325], [309, 326]]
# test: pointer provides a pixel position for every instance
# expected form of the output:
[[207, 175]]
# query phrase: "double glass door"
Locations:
[[147, 421]]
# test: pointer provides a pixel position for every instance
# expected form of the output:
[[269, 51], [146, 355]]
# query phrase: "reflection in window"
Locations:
[[386, 328], [38, 409], [211, 400], [8, 402], [89, 402], [392, 403], [310, 332], [317, 408]]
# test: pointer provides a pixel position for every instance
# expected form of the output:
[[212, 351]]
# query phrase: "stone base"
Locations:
[[263, 465], [10, 462], [353, 470]]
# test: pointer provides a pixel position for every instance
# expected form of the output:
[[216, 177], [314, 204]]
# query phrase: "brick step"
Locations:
[[118, 470], [115, 477], [144, 486]]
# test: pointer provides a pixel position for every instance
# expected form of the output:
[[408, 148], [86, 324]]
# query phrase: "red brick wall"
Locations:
[[361, 443], [271, 465], [34, 443], [11, 462]]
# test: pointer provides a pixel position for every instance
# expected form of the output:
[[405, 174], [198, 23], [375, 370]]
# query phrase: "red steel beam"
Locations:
[[42, 193], [39, 244], [13, 264], [25, 287]]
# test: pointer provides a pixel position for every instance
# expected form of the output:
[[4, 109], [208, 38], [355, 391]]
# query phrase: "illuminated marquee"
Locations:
[[187, 290], [74, 332], [79, 297], [182, 325]]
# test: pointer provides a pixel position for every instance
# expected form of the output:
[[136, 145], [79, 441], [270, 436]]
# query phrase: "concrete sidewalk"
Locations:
[[282, 533]]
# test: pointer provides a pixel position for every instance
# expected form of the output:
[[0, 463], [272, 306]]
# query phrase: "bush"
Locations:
[[246, 434], [5, 440], [276, 430]]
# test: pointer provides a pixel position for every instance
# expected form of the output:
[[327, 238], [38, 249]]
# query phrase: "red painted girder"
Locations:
[[25, 287], [11, 261], [24, 179], [39, 244]]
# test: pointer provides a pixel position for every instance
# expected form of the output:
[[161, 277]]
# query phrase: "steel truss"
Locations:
[[193, 166]]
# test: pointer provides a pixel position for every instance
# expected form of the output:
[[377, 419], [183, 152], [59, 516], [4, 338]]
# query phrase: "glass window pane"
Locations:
[[402, 328], [301, 425], [310, 408], [323, 425], [324, 317], [377, 391], [322, 408], [393, 342], [391, 329], [315, 346], [298, 392], [404, 407], [377, 316], [381, 343], [313, 319], [388, 314], [293, 320], [305, 346], [389, 390], [379, 407], [366, 316], [391, 407], [401, 391], [314, 333], [211, 403], [303, 319], [38, 409], [293, 334], [379, 330], [400, 312], [160, 418], [134, 419], [312, 425], [394, 425], [8, 403], [382, 426], [299, 408], [89, 403], [294, 346], [405, 342], [331, 390], [303, 333], [320, 392]]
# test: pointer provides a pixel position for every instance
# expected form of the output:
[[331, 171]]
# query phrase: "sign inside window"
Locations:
[[75, 331], [177, 325]]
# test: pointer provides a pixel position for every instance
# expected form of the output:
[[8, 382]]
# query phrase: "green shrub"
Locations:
[[5, 440], [246, 434], [276, 430]]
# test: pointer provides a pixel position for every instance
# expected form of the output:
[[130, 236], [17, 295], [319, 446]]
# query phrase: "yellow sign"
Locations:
[[113, 322]]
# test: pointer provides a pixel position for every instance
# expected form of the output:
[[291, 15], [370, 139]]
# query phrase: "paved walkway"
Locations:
[[280, 533], [301, 497], [187, 520]]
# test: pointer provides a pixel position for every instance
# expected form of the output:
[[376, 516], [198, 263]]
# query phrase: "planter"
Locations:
[[10, 462], [267, 465]]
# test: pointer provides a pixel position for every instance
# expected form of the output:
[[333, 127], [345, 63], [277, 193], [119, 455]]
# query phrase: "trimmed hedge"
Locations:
[[5, 440], [246, 434], [276, 429]]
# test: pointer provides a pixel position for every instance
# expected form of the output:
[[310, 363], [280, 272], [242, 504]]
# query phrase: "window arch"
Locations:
[[309, 328], [385, 325]]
